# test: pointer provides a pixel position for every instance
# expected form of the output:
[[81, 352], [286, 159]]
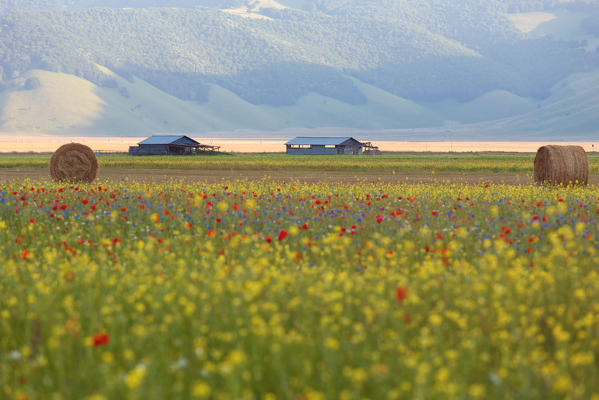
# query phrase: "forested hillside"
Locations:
[[274, 54]]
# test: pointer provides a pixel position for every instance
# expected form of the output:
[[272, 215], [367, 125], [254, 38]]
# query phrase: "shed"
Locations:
[[169, 145], [323, 145]]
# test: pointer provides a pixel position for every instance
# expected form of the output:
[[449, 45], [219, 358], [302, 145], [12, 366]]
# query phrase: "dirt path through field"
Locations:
[[211, 176]]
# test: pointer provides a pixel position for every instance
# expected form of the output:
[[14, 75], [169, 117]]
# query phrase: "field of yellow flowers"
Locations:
[[288, 290]]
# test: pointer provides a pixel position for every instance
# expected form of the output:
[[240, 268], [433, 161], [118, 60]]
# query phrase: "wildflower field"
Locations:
[[289, 290]]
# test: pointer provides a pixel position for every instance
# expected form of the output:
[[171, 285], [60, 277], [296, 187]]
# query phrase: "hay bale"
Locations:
[[565, 165], [73, 162]]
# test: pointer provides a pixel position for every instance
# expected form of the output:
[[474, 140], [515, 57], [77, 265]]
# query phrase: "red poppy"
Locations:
[[283, 234], [401, 293], [100, 339]]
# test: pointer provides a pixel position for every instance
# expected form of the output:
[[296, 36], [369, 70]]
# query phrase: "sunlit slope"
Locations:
[[573, 108], [71, 105], [67, 105], [567, 25], [61, 102]]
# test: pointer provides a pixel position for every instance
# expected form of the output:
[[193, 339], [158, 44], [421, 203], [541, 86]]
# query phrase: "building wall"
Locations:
[[159, 149], [315, 150], [150, 149], [351, 150], [322, 150]]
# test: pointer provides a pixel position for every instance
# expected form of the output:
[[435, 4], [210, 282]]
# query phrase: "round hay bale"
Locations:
[[73, 162], [561, 165]]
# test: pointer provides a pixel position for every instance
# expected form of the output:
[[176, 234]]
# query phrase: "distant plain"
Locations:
[[23, 143]]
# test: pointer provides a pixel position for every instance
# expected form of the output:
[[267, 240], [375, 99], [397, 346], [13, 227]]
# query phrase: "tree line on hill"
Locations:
[[426, 50]]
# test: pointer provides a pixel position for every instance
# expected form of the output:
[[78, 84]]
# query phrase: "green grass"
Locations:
[[398, 162]]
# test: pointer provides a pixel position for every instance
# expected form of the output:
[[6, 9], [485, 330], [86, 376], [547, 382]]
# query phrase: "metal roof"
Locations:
[[165, 139], [319, 141]]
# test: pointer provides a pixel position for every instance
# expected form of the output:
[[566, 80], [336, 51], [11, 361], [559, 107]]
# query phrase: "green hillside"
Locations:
[[572, 110], [136, 108], [132, 67], [67, 105]]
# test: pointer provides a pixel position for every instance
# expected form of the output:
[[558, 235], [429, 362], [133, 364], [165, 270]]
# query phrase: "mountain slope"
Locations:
[[135, 108], [62, 104], [388, 44], [207, 65], [572, 109]]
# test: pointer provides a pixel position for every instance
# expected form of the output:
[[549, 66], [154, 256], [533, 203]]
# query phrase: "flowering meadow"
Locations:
[[288, 290]]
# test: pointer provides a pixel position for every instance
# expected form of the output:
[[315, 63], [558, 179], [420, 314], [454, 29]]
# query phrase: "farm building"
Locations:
[[169, 145], [324, 145]]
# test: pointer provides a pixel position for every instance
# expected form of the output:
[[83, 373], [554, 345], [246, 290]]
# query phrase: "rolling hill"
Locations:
[[132, 67]]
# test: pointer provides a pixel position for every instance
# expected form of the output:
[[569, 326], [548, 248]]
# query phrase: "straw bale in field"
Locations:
[[555, 165], [74, 162]]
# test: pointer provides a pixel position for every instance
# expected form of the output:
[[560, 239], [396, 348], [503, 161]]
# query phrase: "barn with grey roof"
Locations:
[[324, 145], [169, 145]]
